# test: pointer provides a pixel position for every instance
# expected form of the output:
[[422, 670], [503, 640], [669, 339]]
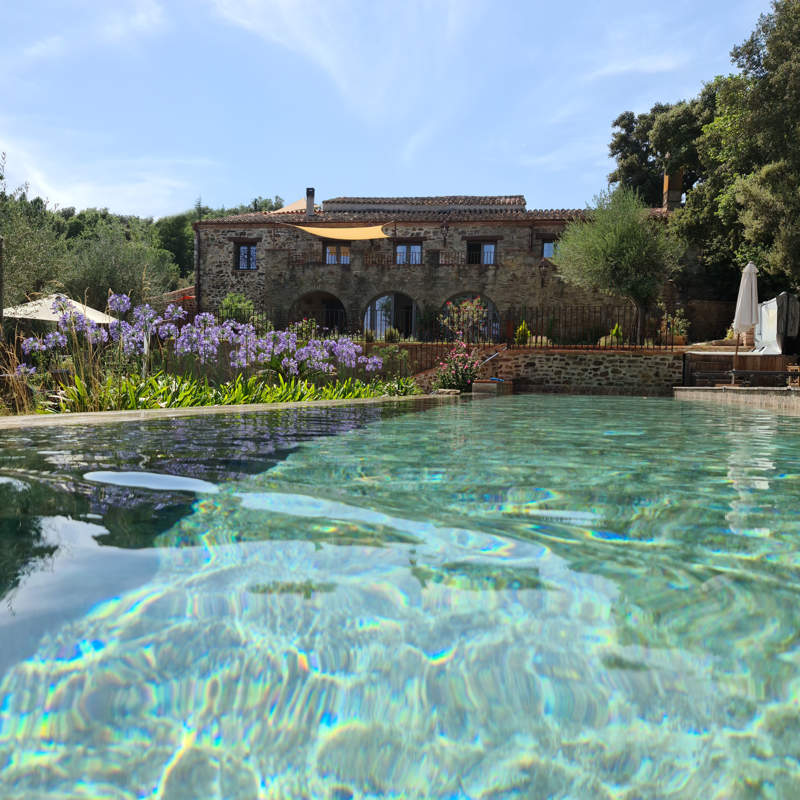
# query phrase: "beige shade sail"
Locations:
[[346, 234], [42, 309]]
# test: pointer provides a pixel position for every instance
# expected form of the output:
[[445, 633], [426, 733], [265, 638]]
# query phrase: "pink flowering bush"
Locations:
[[458, 370]]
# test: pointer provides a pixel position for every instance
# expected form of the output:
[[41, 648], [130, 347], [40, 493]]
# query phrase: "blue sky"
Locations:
[[141, 106]]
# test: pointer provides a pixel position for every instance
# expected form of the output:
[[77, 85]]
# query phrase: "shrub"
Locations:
[[675, 324], [458, 370], [391, 335], [398, 386], [369, 335], [395, 360], [237, 307], [522, 334], [614, 337], [467, 319], [305, 329]]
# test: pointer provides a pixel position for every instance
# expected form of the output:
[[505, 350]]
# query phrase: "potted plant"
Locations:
[[674, 326]]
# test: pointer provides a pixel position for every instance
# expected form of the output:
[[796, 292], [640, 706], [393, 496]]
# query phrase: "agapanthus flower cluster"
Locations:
[[172, 316], [201, 338], [23, 370], [32, 344], [119, 303], [205, 339]]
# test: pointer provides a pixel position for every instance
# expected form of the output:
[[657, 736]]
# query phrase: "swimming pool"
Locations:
[[529, 596]]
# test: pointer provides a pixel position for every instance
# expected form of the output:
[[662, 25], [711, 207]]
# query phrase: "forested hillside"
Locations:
[[86, 253]]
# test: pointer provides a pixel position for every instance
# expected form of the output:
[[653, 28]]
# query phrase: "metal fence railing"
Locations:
[[556, 327]]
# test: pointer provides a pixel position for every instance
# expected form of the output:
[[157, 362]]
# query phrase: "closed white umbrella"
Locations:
[[746, 315], [747, 302]]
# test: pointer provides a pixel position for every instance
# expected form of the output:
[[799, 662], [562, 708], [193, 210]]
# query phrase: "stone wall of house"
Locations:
[[588, 372], [291, 266]]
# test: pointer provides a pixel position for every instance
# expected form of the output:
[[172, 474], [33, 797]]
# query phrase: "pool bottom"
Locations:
[[283, 669]]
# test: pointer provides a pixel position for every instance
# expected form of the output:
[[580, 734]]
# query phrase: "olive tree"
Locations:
[[620, 248]]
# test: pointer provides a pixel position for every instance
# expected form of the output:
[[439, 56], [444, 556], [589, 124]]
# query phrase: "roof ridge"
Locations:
[[447, 199]]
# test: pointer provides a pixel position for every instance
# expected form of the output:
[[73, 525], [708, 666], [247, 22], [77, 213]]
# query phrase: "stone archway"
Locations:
[[471, 315], [326, 308], [392, 310]]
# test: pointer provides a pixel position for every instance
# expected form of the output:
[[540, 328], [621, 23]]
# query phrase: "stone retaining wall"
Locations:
[[588, 372]]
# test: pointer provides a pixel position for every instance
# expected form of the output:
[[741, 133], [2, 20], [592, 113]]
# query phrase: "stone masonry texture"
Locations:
[[291, 266], [602, 372], [594, 372]]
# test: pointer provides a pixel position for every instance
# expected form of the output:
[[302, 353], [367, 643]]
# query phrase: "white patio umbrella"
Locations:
[[42, 309], [746, 315]]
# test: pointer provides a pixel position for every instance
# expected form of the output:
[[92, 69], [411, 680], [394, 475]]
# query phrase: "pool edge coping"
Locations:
[[14, 422]]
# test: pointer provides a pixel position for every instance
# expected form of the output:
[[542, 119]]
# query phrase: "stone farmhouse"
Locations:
[[374, 262]]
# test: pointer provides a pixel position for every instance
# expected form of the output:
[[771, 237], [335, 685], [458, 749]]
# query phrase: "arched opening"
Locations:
[[325, 308], [472, 316], [392, 310]]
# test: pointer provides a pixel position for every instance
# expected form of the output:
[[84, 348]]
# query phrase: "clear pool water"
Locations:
[[527, 597]]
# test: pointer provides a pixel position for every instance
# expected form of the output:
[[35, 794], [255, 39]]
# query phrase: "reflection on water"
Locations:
[[524, 597]]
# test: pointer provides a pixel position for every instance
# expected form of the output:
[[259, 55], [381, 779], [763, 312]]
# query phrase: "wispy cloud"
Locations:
[[139, 17], [380, 57], [123, 22], [418, 139], [643, 65], [565, 157], [49, 47]]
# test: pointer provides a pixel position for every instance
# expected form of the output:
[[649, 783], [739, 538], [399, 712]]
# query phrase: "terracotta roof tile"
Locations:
[[375, 217], [455, 208], [445, 202]]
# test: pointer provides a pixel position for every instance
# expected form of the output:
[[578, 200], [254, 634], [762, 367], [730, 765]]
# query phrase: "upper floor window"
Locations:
[[481, 252], [548, 248], [337, 252], [410, 253], [246, 256]]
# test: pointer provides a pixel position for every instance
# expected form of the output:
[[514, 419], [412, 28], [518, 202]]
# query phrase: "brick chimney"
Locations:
[[310, 201], [673, 190]]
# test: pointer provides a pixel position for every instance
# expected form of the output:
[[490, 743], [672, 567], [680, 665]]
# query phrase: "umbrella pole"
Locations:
[[735, 356]]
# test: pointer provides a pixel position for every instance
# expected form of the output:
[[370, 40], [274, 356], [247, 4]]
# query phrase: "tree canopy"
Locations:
[[737, 144], [88, 252]]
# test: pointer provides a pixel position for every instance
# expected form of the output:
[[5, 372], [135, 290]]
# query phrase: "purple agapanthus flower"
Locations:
[[32, 344], [173, 313], [55, 340], [95, 334], [289, 365], [23, 370], [145, 318], [61, 305], [119, 303], [370, 363], [71, 319]]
